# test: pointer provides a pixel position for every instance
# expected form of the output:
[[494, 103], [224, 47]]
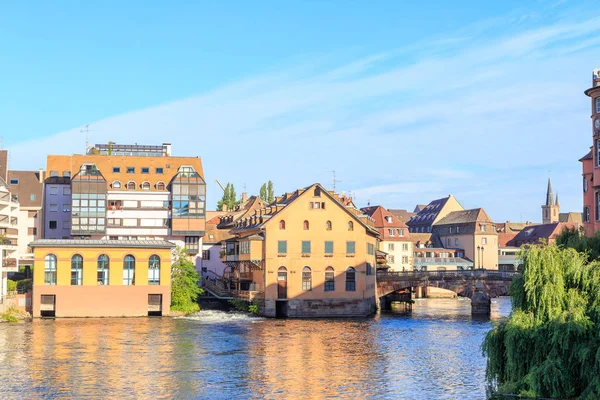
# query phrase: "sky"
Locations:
[[405, 102]]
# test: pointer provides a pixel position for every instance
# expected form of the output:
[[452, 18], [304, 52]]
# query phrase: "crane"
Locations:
[[221, 186]]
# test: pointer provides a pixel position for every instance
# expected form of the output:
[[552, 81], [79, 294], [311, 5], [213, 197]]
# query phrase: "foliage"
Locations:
[[11, 285], [244, 306], [549, 346], [254, 308], [228, 199], [184, 284], [266, 192], [576, 239], [11, 315], [24, 285]]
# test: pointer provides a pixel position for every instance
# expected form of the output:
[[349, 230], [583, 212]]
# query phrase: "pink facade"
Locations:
[[591, 163]]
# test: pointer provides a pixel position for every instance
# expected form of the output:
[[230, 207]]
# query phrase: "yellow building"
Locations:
[[101, 278], [306, 255]]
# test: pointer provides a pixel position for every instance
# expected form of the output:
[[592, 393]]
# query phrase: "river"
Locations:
[[435, 353]]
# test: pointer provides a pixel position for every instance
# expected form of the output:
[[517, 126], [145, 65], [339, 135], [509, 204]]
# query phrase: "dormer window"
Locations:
[[317, 192], [160, 186], [130, 185], [282, 225], [145, 185], [388, 219], [116, 185]]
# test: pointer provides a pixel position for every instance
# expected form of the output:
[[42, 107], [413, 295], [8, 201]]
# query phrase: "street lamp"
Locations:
[[478, 257], [482, 266]]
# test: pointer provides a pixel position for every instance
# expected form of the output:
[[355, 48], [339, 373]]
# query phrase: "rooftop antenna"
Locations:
[[86, 129], [335, 181]]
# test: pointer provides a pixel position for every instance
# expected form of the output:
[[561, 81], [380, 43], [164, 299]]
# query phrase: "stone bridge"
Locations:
[[479, 285]]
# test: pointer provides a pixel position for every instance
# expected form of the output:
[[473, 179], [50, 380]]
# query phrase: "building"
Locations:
[[403, 215], [550, 210], [541, 234], [126, 192], [591, 163], [394, 238], [306, 255], [101, 278], [27, 187], [440, 259], [472, 231], [427, 216]]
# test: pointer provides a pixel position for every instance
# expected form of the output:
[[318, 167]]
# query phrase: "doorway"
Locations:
[[155, 305], [48, 305], [282, 283], [281, 309]]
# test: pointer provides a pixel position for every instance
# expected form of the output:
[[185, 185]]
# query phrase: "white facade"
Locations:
[[211, 263], [400, 254]]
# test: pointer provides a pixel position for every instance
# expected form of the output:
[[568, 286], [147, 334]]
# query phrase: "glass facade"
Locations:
[[88, 204], [189, 194]]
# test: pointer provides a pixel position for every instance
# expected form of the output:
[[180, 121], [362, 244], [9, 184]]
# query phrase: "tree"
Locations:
[[229, 198], [184, 283], [263, 192], [270, 194], [549, 345]]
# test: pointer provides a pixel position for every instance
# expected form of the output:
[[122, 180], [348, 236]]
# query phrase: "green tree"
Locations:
[[229, 198], [263, 192], [184, 284], [270, 193], [549, 345]]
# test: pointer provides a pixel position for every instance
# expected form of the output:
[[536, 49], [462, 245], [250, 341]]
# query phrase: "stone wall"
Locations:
[[323, 308]]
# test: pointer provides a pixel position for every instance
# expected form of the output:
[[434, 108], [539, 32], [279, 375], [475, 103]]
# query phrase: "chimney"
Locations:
[[224, 207], [41, 175], [244, 197]]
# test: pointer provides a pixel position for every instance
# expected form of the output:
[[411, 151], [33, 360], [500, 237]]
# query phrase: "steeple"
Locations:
[[556, 201], [549, 194]]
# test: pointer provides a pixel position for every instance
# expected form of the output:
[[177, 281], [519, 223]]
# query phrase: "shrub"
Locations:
[[11, 285], [184, 284]]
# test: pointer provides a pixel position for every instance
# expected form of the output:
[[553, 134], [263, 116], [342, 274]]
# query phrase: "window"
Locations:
[[50, 269], [391, 246], [585, 185], [130, 185], [130, 170], [350, 279], [67, 190], [306, 225], [52, 224], [482, 227], [586, 214], [103, 265], [448, 242], [390, 259], [206, 254], [192, 245], [129, 270], [145, 170], [455, 242], [388, 219], [306, 247], [159, 170], [450, 229], [282, 225], [154, 270], [404, 246], [370, 248], [66, 225], [306, 279], [598, 104], [329, 279], [328, 247], [483, 240], [53, 174], [145, 185], [350, 247], [401, 232], [350, 225], [404, 259], [76, 270], [32, 197], [66, 174], [391, 232], [53, 190], [597, 206], [317, 192], [116, 170], [282, 247], [161, 186], [53, 207], [116, 185], [328, 225], [458, 229], [66, 208], [369, 269], [14, 181]]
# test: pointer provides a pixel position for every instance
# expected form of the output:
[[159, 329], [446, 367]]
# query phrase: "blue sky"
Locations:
[[406, 102]]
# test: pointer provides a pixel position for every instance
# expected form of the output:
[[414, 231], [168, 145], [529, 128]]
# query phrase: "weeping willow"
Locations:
[[550, 344]]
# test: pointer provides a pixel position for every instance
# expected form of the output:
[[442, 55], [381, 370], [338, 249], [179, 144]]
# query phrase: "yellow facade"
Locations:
[[92, 296]]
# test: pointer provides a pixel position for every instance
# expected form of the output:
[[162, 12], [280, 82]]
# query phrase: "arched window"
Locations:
[[145, 185], [130, 185], [129, 270], [103, 265], [328, 225], [306, 279], [306, 225], [329, 279], [154, 270], [350, 279], [282, 283], [50, 269], [161, 185], [116, 185], [350, 225], [282, 225], [76, 270]]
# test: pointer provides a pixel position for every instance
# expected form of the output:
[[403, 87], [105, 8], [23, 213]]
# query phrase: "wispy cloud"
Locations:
[[397, 130]]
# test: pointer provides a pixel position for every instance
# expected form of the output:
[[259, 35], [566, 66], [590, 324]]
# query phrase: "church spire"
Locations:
[[549, 194], [556, 201]]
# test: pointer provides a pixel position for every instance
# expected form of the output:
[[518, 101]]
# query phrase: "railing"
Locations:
[[447, 274]]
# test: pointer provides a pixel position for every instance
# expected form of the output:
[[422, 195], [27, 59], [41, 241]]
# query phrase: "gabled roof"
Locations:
[[535, 233], [242, 210], [465, 216], [570, 217], [403, 215], [380, 216], [429, 213], [588, 156]]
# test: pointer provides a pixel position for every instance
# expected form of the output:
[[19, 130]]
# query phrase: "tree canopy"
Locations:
[[266, 192], [229, 198], [184, 284], [550, 344]]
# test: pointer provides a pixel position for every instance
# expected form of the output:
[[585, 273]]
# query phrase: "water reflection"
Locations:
[[433, 353]]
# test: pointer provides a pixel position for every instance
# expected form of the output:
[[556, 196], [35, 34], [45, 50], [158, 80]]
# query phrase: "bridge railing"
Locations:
[[447, 274]]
